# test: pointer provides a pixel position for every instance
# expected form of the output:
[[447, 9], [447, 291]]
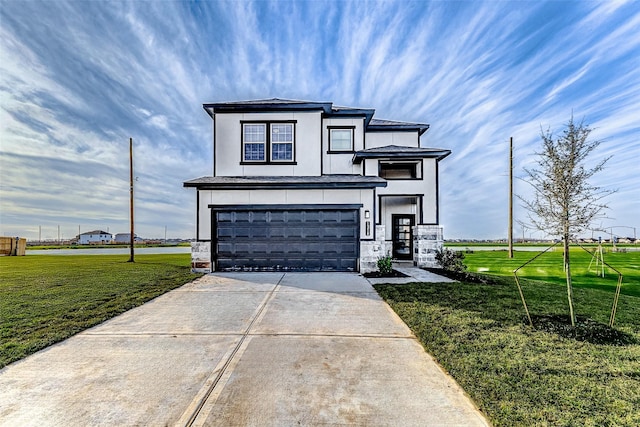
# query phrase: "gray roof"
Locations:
[[397, 151], [277, 104], [389, 125], [285, 182], [270, 101], [327, 108], [95, 232]]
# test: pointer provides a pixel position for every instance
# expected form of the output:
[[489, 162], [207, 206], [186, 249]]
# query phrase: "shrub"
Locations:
[[451, 260], [384, 265]]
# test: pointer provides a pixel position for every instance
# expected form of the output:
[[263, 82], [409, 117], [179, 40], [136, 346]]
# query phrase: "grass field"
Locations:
[[530, 244], [45, 299], [109, 246], [523, 376], [549, 267]]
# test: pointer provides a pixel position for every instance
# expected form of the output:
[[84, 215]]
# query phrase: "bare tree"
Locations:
[[564, 202]]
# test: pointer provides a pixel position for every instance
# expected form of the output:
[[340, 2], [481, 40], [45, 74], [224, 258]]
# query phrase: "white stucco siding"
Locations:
[[205, 198], [370, 167], [430, 170], [228, 145], [358, 135], [416, 186], [227, 140], [284, 197], [340, 164], [382, 139]]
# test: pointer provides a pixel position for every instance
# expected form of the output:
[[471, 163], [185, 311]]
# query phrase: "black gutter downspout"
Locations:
[[437, 192]]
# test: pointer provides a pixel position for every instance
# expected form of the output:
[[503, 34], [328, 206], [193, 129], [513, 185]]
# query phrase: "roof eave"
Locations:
[[286, 186], [391, 128], [367, 113], [221, 107], [359, 156], [204, 185]]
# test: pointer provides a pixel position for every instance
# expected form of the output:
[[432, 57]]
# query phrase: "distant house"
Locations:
[[309, 186], [95, 237], [126, 238]]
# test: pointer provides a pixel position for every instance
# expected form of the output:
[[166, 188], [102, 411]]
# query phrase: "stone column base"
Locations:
[[372, 250], [427, 240]]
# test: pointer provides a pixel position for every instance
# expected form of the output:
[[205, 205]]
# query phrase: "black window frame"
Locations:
[[267, 149], [349, 128], [417, 168]]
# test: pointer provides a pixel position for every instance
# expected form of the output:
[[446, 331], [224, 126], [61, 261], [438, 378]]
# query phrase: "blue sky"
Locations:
[[77, 79]]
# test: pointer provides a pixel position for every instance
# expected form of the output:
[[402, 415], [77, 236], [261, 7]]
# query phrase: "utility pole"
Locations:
[[131, 258], [511, 197]]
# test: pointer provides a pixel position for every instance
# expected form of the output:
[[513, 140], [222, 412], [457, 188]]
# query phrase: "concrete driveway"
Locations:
[[241, 349]]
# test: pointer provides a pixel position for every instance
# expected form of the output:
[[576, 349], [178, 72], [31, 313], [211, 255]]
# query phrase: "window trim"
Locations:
[[418, 164], [268, 143], [349, 128]]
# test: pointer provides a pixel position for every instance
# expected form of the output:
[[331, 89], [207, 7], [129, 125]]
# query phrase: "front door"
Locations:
[[402, 236]]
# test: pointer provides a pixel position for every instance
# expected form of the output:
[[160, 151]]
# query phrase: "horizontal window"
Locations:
[[400, 170]]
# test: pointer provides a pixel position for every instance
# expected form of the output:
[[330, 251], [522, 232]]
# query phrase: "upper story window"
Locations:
[[254, 138], [341, 139], [400, 170], [269, 142], [282, 142]]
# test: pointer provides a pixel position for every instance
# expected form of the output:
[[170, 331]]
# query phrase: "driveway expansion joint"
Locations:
[[326, 335], [226, 361]]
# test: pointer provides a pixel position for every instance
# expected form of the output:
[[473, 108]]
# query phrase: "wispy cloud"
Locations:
[[77, 79]]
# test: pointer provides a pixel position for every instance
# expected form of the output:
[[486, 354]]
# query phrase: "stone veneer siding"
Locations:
[[372, 250], [427, 239]]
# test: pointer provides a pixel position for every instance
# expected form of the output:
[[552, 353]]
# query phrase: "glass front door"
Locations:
[[402, 236]]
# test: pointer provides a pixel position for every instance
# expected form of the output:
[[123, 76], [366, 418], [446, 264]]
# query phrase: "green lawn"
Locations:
[[45, 299], [521, 376], [549, 267]]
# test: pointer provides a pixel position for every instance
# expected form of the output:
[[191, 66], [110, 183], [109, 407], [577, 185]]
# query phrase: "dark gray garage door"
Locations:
[[286, 238]]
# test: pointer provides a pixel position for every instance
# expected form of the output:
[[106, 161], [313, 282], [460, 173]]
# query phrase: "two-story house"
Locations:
[[94, 237], [309, 186]]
